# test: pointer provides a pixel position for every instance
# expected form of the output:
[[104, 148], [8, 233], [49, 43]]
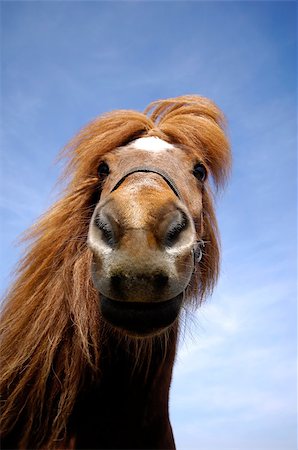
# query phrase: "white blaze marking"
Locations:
[[151, 144]]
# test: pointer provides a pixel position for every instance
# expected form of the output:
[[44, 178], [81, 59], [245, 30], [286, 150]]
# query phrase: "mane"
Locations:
[[50, 328]]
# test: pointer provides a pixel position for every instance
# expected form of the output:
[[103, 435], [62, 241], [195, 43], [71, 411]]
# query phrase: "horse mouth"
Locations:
[[140, 318]]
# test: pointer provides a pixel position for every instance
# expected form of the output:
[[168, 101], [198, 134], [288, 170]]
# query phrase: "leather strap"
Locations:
[[146, 169]]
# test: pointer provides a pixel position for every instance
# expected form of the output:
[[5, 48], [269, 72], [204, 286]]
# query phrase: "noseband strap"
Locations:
[[163, 174]]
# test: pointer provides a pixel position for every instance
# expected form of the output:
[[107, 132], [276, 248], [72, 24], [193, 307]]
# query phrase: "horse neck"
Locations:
[[141, 366], [130, 396]]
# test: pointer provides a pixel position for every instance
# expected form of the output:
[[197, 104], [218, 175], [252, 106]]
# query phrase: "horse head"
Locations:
[[144, 234]]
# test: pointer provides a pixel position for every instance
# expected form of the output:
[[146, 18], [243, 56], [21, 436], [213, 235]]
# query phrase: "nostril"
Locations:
[[116, 281], [106, 230], [175, 230], [161, 280]]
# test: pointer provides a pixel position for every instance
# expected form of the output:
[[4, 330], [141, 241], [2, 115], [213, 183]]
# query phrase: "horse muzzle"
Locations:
[[139, 304]]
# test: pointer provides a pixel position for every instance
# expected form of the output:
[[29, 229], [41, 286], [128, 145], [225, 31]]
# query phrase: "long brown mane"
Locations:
[[50, 324]]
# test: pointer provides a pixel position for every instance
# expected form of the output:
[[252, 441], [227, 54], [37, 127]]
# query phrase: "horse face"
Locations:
[[142, 235]]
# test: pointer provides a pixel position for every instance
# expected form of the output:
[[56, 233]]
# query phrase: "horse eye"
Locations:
[[103, 170], [200, 172]]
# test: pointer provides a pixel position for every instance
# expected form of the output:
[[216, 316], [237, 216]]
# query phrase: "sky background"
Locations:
[[64, 63]]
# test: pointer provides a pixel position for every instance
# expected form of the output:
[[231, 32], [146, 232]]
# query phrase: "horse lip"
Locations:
[[140, 317]]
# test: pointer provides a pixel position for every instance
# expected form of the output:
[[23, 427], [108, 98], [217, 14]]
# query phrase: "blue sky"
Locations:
[[64, 63]]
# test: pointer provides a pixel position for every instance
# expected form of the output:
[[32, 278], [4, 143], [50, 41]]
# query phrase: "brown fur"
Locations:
[[50, 325]]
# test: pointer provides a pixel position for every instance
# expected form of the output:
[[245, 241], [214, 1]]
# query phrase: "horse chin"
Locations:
[[138, 319]]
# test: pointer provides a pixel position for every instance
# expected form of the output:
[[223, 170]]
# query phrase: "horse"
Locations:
[[90, 325]]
